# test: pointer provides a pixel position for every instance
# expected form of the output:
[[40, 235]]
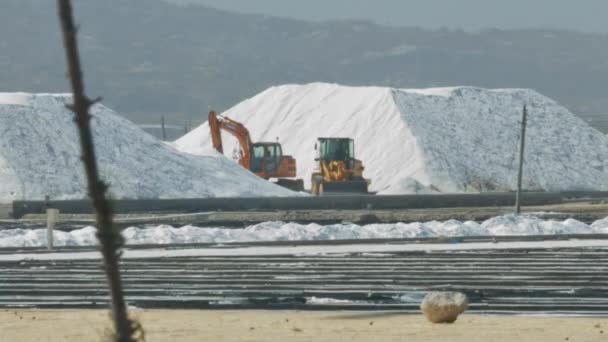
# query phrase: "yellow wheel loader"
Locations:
[[337, 172]]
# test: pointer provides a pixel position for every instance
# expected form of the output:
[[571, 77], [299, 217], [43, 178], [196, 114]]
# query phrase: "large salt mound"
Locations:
[[444, 139], [40, 155]]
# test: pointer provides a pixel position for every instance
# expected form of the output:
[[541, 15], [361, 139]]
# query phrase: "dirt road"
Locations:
[[175, 326]]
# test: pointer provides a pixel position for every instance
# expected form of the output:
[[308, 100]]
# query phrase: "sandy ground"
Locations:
[[174, 326]]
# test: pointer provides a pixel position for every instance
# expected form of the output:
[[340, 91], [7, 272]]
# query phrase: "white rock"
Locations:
[[444, 307]]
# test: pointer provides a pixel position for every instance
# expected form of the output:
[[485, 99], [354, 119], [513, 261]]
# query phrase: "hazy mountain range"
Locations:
[[581, 15], [149, 58]]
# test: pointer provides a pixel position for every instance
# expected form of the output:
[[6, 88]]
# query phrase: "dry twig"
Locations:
[[110, 238]]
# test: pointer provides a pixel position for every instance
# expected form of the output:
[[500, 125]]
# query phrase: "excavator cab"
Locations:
[[337, 171], [265, 158], [268, 161]]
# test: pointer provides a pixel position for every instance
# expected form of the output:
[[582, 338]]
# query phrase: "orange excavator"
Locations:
[[265, 159]]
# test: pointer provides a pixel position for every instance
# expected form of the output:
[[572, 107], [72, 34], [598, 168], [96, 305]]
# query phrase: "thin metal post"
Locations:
[[52, 217], [522, 144], [162, 126]]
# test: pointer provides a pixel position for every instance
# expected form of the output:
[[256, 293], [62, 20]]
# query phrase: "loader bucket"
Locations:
[[345, 187]]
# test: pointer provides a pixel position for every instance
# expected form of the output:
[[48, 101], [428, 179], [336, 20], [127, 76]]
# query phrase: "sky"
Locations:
[[580, 15]]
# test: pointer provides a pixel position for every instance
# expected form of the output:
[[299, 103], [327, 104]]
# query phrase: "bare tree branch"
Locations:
[[110, 238]]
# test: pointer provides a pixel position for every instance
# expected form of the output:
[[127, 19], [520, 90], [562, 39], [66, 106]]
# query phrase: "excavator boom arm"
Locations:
[[216, 135], [240, 132]]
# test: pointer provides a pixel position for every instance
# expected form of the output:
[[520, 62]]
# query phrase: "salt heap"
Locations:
[[40, 155], [459, 139]]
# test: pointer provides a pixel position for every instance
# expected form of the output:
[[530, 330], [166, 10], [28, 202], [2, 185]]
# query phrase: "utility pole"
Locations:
[[162, 127], [522, 144]]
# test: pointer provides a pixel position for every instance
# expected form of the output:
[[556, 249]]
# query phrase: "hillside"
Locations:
[[149, 58], [420, 140]]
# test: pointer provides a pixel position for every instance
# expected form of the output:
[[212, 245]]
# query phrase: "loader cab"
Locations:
[[265, 157], [342, 149]]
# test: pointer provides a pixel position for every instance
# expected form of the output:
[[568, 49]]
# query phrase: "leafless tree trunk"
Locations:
[[110, 238]]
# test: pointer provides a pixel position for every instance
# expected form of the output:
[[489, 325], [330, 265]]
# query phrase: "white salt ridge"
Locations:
[[312, 250], [426, 140], [333, 301], [508, 225], [40, 155]]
